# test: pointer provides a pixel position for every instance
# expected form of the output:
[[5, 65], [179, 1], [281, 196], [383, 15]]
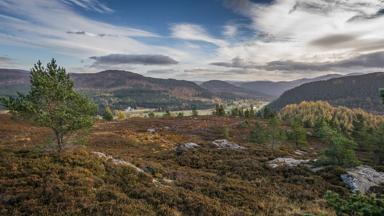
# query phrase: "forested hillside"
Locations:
[[121, 89], [275, 89], [361, 91], [228, 91]]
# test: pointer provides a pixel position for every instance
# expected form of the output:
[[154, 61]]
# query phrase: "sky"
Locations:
[[196, 39]]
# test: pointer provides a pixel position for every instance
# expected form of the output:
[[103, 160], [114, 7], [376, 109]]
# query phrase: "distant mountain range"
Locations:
[[121, 89], [275, 89], [227, 90], [359, 91]]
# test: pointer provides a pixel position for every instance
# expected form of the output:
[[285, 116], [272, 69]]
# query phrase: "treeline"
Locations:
[[340, 117]]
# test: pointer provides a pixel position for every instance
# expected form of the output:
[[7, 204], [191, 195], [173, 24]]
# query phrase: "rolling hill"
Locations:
[[277, 88], [360, 91], [228, 91], [121, 89]]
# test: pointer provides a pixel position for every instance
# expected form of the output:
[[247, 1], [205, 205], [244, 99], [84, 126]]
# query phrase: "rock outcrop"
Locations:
[[287, 162], [225, 144], [151, 130], [117, 161], [186, 146], [158, 182], [362, 178]]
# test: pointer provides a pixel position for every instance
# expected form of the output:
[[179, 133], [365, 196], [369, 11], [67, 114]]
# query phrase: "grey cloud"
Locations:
[[160, 71], [313, 7], [363, 16], [76, 32], [91, 34], [235, 62], [326, 6], [331, 40], [116, 59], [372, 60]]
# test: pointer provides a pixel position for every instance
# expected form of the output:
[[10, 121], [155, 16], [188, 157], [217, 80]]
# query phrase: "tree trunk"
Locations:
[[59, 139]]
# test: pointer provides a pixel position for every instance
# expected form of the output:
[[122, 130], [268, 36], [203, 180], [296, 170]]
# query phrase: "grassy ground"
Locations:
[[34, 180]]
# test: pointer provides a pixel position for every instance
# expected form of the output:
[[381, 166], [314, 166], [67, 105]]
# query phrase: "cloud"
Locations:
[[230, 31], [160, 71], [365, 16], [90, 34], [92, 5], [50, 24], [195, 32], [235, 63], [372, 60], [331, 40], [116, 59]]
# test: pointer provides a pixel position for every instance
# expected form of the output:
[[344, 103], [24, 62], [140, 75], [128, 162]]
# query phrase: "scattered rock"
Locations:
[[156, 181], [117, 161], [299, 152], [362, 178], [186, 146], [167, 181], [317, 169], [151, 130], [289, 162], [225, 144]]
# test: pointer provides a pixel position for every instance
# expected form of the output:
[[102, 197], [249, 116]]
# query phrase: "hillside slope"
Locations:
[[277, 88], [12, 81], [361, 91], [113, 80], [226, 90], [121, 89]]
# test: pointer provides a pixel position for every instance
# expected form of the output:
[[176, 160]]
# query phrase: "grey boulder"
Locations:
[[362, 178]]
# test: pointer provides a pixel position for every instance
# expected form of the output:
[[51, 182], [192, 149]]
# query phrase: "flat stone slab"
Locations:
[[362, 178], [285, 161], [117, 161], [186, 146], [151, 130], [225, 144]]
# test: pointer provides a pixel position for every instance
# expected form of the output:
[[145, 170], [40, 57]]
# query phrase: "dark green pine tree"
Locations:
[[299, 134], [52, 102], [258, 134]]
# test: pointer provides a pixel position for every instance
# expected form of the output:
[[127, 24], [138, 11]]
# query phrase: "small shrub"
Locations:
[[108, 115], [151, 115], [356, 204]]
